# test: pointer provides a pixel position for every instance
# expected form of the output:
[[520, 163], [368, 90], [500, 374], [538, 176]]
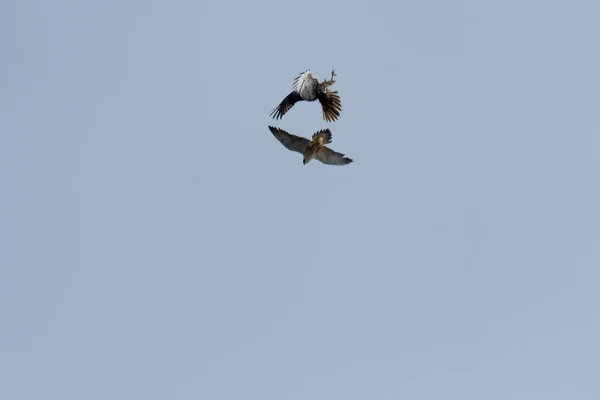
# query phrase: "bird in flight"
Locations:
[[314, 148], [310, 89]]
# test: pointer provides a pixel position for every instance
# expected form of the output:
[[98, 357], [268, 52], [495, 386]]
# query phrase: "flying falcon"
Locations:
[[310, 149], [310, 89]]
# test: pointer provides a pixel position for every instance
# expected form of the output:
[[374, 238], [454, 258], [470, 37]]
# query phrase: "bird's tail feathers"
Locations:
[[324, 135]]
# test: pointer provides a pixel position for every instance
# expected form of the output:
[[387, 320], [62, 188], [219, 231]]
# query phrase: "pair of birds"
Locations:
[[308, 88]]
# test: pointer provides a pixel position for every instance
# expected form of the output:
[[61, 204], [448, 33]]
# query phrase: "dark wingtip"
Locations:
[[275, 114]]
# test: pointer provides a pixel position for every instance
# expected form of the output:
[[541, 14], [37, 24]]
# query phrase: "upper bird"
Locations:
[[314, 148], [310, 89]]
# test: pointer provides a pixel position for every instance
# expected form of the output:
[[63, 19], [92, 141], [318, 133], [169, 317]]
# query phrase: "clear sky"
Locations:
[[156, 241]]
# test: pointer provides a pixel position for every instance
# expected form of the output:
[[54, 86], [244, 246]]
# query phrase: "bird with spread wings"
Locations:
[[308, 88], [314, 148]]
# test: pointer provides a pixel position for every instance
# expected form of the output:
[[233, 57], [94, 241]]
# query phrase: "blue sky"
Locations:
[[157, 242]]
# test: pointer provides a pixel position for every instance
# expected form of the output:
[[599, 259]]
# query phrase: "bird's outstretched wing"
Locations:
[[328, 156], [285, 105], [291, 142], [302, 80], [331, 104]]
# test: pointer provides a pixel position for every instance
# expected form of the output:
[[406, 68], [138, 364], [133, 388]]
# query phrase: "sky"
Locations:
[[157, 242]]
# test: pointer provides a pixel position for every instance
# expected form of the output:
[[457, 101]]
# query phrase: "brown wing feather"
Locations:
[[285, 105], [331, 157], [331, 104], [291, 142]]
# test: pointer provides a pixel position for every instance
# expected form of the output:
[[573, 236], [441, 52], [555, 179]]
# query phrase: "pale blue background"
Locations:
[[158, 243]]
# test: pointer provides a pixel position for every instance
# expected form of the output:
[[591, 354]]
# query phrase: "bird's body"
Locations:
[[308, 88], [311, 149]]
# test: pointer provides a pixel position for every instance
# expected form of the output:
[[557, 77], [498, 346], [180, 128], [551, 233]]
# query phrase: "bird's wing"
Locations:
[[285, 105], [302, 79], [328, 156], [331, 104], [291, 142]]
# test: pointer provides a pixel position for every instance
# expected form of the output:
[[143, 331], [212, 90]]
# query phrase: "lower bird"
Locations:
[[308, 88], [314, 148]]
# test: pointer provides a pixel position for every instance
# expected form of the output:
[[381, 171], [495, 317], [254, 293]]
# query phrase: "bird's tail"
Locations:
[[323, 136]]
